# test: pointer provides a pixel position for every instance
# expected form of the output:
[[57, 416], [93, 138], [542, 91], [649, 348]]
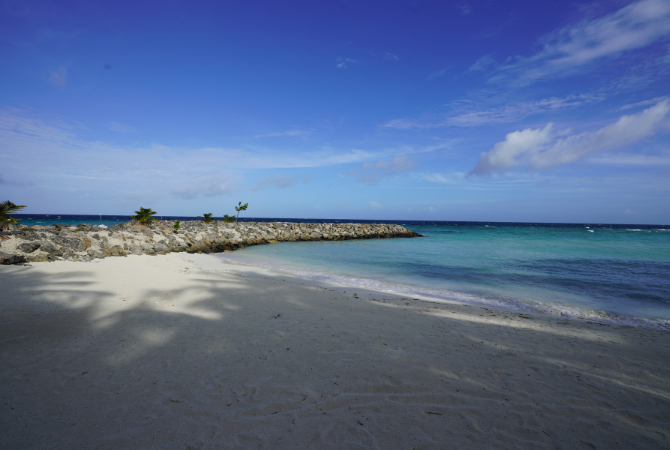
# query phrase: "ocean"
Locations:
[[617, 274]]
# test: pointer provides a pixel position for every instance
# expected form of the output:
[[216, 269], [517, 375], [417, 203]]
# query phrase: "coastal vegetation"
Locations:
[[7, 208], [227, 218], [143, 215], [177, 225], [240, 207], [207, 218]]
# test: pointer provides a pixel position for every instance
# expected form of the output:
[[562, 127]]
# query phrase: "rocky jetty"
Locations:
[[86, 242]]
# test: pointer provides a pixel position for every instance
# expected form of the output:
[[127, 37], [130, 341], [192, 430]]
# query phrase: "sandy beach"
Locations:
[[189, 352]]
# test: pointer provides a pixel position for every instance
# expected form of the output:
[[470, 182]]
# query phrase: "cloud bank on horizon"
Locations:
[[373, 110]]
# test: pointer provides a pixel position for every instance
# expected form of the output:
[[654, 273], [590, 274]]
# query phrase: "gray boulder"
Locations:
[[29, 247], [7, 259], [69, 243], [51, 249]]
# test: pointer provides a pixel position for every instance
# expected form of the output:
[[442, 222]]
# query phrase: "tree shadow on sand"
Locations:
[[227, 361]]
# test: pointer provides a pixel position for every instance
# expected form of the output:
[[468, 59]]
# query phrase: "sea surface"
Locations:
[[617, 274]]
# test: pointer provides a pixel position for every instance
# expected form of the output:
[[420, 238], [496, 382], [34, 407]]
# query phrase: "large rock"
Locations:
[[29, 247], [69, 243], [51, 249], [7, 259], [93, 253], [117, 250]]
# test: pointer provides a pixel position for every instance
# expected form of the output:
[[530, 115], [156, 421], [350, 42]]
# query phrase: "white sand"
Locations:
[[154, 353]]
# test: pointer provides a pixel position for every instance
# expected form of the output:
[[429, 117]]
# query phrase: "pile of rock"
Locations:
[[86, 242]]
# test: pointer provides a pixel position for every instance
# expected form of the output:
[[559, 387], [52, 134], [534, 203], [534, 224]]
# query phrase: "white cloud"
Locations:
[[503, 114], [345, 62], [452, 178], [634, 26], [371, 173], [643, 103], [483, 64], [390, 56], [662, 159], [58, 77], [205, 187], [465, 9], [375, 205], [438, 73], [543, 148]]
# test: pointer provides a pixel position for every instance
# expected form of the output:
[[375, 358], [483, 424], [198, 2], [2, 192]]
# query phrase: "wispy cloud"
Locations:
[[438, 73], [58, 77], [54, 143], [483, 64], [205, 187], [371, 173], [543, 148], [289, 133], [502, 114], [390, 56], [643, 103], [121, 128], [465, 9], [442, 178], [345, 62], [568, 49], [375, 205], [660, 160], [279, 182]]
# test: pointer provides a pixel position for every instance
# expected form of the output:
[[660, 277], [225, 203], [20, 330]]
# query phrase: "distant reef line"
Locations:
[[87, 242]]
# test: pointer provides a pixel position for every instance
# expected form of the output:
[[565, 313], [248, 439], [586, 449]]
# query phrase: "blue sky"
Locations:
[[430, 110]]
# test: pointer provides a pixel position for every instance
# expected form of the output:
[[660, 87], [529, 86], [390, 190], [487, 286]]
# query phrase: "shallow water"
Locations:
[[614, 274]]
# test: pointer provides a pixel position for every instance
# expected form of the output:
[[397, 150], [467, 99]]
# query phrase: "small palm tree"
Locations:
[[227, 218], [240, 207], [5, 209], [143, 215], [207, 218]]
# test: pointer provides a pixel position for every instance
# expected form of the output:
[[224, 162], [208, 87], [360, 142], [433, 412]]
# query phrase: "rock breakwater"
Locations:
[[86, 242]]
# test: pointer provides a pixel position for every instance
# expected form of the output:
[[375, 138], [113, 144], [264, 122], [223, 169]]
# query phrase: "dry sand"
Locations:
[[187, 352]]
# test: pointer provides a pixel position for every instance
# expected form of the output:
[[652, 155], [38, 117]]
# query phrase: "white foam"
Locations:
[[501, 301]]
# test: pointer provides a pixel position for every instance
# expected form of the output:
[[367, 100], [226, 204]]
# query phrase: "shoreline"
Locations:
[[187, 350], [510, 304]]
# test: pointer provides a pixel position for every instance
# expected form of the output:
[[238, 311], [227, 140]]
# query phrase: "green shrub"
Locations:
[[144, 215], [207, 218]]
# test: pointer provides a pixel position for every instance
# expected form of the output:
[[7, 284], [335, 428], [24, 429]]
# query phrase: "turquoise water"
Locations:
[[618, 273], [612, 274]]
